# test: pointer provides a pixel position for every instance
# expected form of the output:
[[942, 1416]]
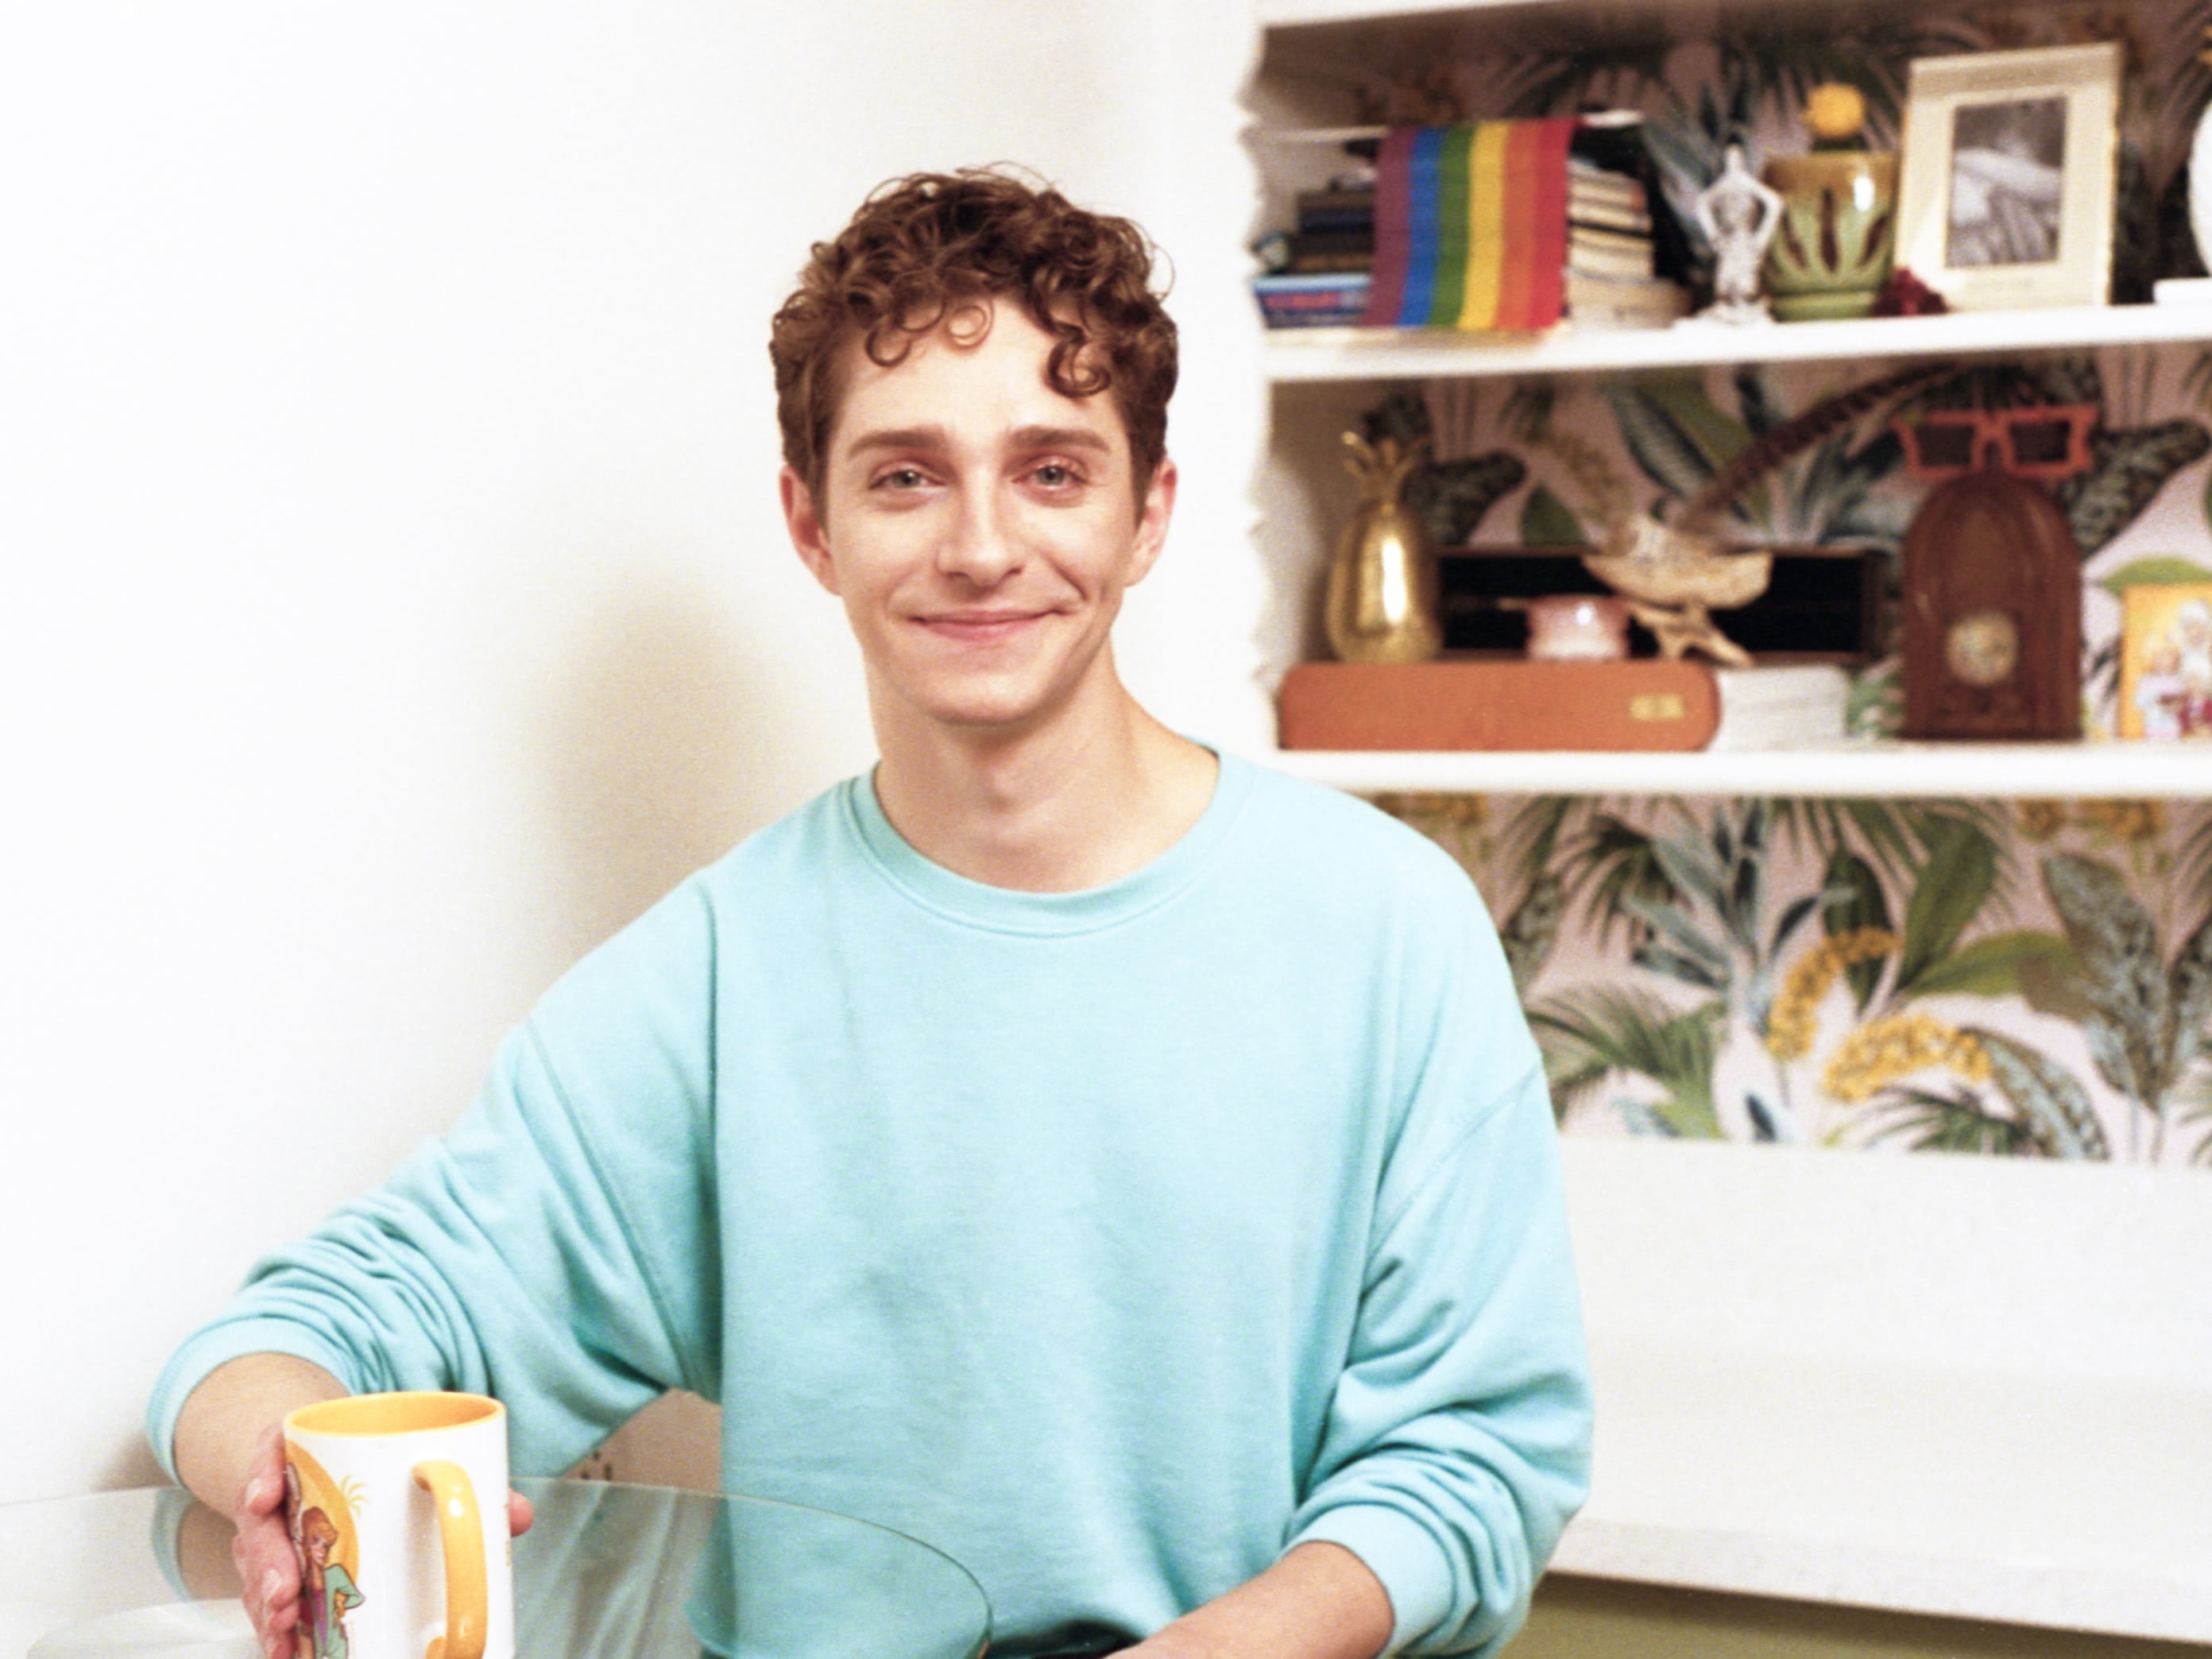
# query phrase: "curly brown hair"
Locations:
[[925, 249]]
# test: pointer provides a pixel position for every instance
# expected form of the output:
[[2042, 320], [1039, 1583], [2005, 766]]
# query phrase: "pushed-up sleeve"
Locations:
[[558, 1249], [1457, 1445]]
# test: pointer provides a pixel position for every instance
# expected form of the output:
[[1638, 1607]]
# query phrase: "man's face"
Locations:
[[981, 528]]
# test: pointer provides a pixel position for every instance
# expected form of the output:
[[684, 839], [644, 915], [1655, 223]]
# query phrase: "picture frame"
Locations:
[[2008, 176], [2166, 662]]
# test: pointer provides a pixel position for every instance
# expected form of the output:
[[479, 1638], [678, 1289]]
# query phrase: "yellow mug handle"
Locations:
[[460, 1533]]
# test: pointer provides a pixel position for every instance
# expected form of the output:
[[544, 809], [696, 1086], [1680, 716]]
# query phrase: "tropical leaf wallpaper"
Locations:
[[2030, 978]]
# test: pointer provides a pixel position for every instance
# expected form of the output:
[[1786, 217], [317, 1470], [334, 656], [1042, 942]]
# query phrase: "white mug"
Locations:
[[397, 1507]]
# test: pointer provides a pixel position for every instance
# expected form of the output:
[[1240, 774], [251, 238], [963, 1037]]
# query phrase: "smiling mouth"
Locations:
[[980, 626]]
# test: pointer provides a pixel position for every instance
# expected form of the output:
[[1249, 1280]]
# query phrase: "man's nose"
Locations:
[[983, 545]]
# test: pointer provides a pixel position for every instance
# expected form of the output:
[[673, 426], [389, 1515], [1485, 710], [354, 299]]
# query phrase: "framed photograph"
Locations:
[[2006, 187], [2165, 661]]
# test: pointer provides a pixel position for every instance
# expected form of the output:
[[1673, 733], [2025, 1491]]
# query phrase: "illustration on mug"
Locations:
[[329, 1548]]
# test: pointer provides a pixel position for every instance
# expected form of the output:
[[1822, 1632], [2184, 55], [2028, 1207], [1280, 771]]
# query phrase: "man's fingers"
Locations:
[[268, 1570], [267, 1567], [262, 1493], [519, 1515], [277, 1626], [272, 1603]]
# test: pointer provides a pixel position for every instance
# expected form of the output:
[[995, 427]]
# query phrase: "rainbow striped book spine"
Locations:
[[1471, 226]]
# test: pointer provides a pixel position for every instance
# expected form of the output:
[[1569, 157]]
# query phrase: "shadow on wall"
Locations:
[[677, 1441], [663, 745], [667, 744], [669, 733]]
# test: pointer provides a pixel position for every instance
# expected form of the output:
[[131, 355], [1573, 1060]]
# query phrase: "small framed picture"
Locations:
[[2165, 661], [2007, 176]]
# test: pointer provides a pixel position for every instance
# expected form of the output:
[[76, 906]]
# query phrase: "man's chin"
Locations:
[[987, 711], [1011, 700], [1010, 719]]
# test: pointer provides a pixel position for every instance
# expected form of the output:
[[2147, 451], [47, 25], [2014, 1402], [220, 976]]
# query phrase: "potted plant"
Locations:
[[1830, 253]]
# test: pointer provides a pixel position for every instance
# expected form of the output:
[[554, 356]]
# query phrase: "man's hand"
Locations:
[[268, 1568], [1319, 1601]]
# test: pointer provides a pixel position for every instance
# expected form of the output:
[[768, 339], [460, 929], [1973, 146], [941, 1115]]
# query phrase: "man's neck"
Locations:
[[1065, 807]]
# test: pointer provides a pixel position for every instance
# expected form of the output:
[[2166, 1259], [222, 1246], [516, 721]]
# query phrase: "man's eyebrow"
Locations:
[[1063, 437], [899, 437], [936, 437]]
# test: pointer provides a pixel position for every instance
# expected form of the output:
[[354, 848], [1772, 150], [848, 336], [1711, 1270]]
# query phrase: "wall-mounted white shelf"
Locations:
[[1357, 354], [2127, 771], [1313, 53], [1913, 1492]]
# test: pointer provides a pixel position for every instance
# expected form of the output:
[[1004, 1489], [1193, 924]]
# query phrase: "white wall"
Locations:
[[395, 601]]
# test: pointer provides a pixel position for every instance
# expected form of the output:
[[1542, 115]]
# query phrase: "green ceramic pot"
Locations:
[[1831, 252]]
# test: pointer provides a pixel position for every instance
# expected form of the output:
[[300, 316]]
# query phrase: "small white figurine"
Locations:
[[1739, 216]]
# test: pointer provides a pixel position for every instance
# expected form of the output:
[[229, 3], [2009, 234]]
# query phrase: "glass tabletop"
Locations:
[[608, 1571]]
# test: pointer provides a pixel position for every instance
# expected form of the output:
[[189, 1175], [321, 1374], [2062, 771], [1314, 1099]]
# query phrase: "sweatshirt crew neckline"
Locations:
[[974, 903]]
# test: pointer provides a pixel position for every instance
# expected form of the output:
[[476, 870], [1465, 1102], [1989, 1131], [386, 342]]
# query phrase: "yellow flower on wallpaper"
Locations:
[[1789, 1026], [1881, 1052]]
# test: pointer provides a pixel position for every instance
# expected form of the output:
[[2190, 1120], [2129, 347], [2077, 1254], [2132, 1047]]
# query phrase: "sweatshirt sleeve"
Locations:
[[1457, 1445], [556, 1250]]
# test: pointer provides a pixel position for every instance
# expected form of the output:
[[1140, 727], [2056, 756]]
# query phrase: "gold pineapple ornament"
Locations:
[[1381, 603]]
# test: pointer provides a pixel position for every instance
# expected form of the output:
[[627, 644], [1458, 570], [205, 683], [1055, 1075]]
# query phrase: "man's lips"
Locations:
[[980, 626]]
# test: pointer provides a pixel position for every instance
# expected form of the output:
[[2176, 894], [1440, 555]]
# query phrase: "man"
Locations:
[[1121, 1167]]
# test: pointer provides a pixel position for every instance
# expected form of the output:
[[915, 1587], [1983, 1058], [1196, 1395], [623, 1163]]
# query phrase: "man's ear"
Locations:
[[1152, 518], [803, 518]]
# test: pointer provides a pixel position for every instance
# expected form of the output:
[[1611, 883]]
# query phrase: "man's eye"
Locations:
[[1054, 476], [903, 478]]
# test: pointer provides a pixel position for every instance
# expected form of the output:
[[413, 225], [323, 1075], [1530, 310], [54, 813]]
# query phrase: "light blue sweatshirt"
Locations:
[[1112, 1242]]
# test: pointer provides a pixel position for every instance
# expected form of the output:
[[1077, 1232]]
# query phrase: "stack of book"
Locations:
[[1611, 275], [1336, 227], [1470, 226], [1318, 274]]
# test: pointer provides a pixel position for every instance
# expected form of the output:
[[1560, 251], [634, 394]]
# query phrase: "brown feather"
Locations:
[[1773, 448]]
